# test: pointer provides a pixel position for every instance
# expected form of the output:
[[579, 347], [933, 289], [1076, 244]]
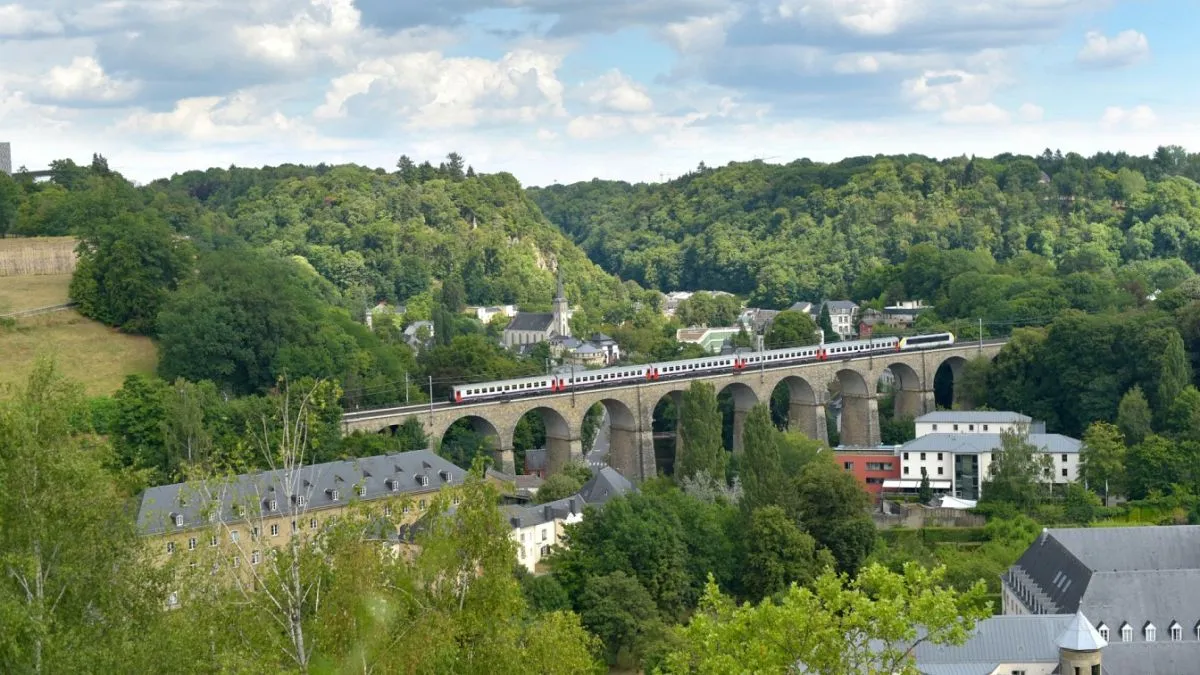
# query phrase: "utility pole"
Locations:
[[406, 387], [981, 333], [431, 399]]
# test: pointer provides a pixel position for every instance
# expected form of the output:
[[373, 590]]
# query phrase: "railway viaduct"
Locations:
[[631, 407]]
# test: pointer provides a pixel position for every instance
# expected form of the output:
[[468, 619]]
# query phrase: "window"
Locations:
[[312, 523], [522, 537], [235, 561], [170, 547], [274, 530], [300, 501], [935, 427], [192, 544], [454, 500], [1151, 632], [906, 471], [1064, 471], [1176, 632], [906, 455], [941, 470], [848, 465], [362, 490], [212, 541], [274, 505], [985, 427], [956, 427], [294, 528], [192, 566], [334, 495], [254, 533], [970, 427], [1064, 458], [922, 457], [255, 558], [939, 456], [1126, 633], [178, 520], [421, 504], [521, 552], [387, 509], [1103, 631], [404, 509], [233, 536], [545, 534]]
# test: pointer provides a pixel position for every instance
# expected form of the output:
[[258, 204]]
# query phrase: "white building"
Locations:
[[955, 449], [537, 529], [528, 328], [971, 422], [486, 314]]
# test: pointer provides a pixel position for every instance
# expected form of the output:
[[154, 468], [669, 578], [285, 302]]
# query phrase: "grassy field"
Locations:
[[33, 291], [95, 355], [36, 255]]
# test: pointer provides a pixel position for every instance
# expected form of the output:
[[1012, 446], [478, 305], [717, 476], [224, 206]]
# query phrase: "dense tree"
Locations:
[[617, 609], [868, 625], [558, 486], [700, 445], [1102, 458], [832, 506], [126, 268], [826, 325], [791, 328], [779, 554], [759, 468], [1017, 472], [1153, 465], [1133, 416]]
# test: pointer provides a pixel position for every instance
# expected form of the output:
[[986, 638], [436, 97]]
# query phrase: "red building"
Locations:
[[870, 467]]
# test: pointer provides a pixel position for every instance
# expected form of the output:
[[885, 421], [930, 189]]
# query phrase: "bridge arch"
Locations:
[[735, 400], [912, 396], [860, 409], [947, 382], [801, 405], [563, 442], [626, 451], [465, 435]]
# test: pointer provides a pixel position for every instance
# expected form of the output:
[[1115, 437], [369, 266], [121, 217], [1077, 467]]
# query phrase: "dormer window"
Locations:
[[1126, 633], [334, 495], [394, 484], [1102, 629], [178, 518], [1176, 632], [362, 490], [447, 476], [300, 500], [1150, 632], [422, 480], [273, 504]]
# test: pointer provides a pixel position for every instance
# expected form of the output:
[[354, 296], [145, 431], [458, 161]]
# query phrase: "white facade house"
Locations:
[[965, 460], [486, 314], [843, 317], [971, 422], [538, 529]]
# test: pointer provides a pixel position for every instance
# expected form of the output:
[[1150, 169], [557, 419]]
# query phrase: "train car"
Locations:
[[525, 386], [852, 348], [927, 341], [772, 357], [707, 364], [581, 379]]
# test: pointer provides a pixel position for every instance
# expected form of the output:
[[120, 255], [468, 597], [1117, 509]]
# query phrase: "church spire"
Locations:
[[561, 294], [562, 309]]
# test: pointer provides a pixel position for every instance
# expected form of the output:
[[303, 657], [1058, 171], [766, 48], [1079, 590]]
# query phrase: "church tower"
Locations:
[[562, 312]]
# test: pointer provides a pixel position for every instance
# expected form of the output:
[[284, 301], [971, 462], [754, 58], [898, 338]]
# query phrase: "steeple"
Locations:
[[1079, 647], [562, 310]]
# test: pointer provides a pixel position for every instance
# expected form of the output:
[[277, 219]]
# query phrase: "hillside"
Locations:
[[806, 230]]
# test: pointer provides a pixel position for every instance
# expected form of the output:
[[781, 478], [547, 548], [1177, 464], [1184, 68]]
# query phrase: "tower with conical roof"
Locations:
[[1079, 647], [562, 311]]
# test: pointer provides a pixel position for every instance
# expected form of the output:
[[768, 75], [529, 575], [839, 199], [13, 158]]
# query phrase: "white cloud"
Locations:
[[85, 80], [865, 17], [1028, 112], [987, 113], [1126, 48], [214, 119], [616, 92], [429, 90], [700, 33], [849, 64], [19, 21], [326, 28], [1138, 118]]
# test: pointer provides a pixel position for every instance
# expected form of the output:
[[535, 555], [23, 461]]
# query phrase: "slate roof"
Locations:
[[845, 306], [538, 514], [975, 416], [604, 484], [1080, 636], [1115, 576], [535, 321], [588, 348], [998, 639], [160, 505], [979, 443]]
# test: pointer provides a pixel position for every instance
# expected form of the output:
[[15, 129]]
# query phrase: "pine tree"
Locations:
[[925, 492], [826, 323], [700, 447], [761, 471], [1133, 416]]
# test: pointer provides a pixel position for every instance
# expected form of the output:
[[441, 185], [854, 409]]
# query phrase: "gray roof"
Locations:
[[566, 341], [979, 443], [975, 416], [411, 329], [537, 321], [194, 502], [601, 338], [1153, 658], [1000, 639], [604, 484], [840, 305], [588, 348], [537, 514], [1118, 576], [802, 307], [1080, 636]]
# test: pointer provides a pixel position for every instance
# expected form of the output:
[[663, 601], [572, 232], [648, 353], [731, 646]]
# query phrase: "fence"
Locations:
[[37, 310]]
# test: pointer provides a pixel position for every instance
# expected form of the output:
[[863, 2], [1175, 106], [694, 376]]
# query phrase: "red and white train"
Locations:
[[665, 370]]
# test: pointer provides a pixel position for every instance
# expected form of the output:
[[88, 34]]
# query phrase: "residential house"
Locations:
[[1139, 587], [486, 314], [419, 334], [757, 321], [598, 350], [806, 307], [974, 422], [961, 462], [528, 328], [904, 313], [538, 528], [671, 301], [843, 317]]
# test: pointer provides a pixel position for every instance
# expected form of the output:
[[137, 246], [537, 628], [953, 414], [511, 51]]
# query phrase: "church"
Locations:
[[527, 328]]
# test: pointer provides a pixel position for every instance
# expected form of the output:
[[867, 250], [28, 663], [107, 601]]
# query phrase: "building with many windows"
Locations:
[[1138, 586], [870, 467], [245, 516]]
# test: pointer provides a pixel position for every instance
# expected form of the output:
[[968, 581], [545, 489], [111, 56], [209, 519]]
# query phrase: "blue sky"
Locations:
[[566, 90]]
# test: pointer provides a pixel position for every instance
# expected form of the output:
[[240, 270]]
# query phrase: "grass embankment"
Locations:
[[36, 273]]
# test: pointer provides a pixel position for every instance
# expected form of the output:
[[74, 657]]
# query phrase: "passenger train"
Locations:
[[666, 370]]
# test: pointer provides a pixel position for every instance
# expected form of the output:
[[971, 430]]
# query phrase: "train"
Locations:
[[651, 372]]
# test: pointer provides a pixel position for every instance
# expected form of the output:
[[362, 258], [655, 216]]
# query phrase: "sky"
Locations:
[[567, 90]]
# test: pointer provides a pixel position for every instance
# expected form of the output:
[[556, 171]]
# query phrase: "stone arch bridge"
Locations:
[[631, 407]]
